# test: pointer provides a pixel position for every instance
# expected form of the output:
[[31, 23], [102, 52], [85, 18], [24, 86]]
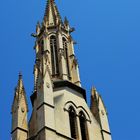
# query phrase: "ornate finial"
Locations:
[[66, 22], [38, 24], [20, 83], [38, 27], [20, 75], [93, 91]]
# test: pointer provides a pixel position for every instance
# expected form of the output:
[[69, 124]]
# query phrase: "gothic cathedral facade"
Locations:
[[60, 110]]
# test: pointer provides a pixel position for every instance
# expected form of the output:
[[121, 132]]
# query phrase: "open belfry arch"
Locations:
[[60, 110]]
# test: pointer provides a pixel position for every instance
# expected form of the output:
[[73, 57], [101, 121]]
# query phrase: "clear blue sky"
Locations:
[[108, 50]]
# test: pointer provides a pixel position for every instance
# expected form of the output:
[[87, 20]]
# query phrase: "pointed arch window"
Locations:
[[42, 46], [73, 124], [66, 55], [54, 55], [83, 126]]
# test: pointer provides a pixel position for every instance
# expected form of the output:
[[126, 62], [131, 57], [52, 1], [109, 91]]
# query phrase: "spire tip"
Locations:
[[20, 75]]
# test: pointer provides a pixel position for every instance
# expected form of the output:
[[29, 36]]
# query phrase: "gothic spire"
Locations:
[[19, 112], [52, 16], [20, 92]]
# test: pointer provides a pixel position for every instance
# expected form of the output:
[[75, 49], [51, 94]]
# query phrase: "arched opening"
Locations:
[[83, 126], [73, 124], [54, 56], [66, 55], [42, 46]]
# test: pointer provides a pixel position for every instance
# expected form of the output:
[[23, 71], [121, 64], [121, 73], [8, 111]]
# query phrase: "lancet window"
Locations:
[[83, 126], [42, 46], [66, 55], [54, 56], [73, 124]]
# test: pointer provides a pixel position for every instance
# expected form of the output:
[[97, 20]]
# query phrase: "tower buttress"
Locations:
[[95, 104], [19, 113], [98, 110]]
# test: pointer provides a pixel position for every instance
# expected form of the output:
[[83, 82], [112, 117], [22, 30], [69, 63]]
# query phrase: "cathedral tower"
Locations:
[[60, 110]]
